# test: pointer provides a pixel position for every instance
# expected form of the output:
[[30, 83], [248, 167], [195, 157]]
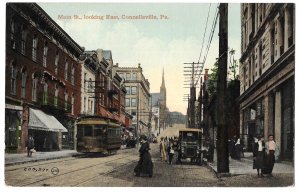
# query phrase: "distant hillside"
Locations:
[[176, 118]]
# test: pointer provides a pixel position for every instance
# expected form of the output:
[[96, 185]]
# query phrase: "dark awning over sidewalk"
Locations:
[[39, 120]]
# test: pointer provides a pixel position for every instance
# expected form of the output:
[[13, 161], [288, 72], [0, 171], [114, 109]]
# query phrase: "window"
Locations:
[[34, 47], [72, 103], [90, 85], [134, 76], [56, 62], [34, 88], [13, 80], [128, 76], [23, 40], [66, 100], [84, 81], [45, 94], [45, 52], [56, 95], [127, 90], [127, 102], [121, 75], [88, 130], [133, 102], [92, 103], [133, 90], [66, 69], [12, 35], [84, 105], [72, 74], [23, 83]]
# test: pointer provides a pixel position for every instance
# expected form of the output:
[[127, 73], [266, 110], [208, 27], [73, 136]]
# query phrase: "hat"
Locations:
[[144, 137]]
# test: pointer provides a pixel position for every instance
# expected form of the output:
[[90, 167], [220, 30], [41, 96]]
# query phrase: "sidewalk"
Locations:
[[11, 159], [245, 166]]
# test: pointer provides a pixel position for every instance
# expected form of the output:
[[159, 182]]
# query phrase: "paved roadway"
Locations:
[[117, 171]]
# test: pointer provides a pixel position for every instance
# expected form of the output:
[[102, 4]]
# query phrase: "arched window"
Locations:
[[34, 47], [66, 100], [23, 39], [72, 74], [45, 52], [12, 34], [23, 83], [34, 87], [56, 62], [45, 94], [66, 69], [56, 95], [13, 79], [72, 103]]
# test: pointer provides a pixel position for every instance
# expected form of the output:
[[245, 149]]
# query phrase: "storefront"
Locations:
[[46, 130]]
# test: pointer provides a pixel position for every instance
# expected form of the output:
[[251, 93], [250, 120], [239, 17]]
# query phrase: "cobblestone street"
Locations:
[[117, 171]]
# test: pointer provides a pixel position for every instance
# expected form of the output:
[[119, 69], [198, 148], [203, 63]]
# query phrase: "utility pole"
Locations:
[[222, 134]]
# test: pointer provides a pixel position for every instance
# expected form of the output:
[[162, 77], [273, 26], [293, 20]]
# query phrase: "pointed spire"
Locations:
[[163, 79]]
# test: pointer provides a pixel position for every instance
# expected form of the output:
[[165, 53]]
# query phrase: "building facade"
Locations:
[[42, 80], [267, 74], [137, 98]]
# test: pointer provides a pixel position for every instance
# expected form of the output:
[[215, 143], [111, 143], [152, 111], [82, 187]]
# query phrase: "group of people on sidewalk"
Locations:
[[169, 148], [264, 155]]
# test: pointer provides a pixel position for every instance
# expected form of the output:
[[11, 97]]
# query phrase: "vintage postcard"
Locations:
[[149, 94]]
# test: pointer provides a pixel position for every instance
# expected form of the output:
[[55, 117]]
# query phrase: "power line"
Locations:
[[210, 39]]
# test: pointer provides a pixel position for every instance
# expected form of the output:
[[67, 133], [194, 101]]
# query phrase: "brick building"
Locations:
[[267, 74], [43, 78]]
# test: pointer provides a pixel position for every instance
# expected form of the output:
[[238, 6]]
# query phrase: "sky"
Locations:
[[155, 43]]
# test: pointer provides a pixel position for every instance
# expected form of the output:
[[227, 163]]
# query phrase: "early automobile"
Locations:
[[190, 140]]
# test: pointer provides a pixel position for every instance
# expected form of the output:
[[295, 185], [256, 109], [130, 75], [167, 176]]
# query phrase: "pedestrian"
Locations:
[[237, 147], [271, 148], [258, 155], [144, 167], [163, 154], [30, 146], [171, 154]]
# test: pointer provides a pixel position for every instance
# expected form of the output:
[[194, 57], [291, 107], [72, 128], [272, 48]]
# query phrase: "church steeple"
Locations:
[[163, 80]]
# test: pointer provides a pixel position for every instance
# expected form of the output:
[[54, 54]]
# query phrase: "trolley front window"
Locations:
[[99, 130]]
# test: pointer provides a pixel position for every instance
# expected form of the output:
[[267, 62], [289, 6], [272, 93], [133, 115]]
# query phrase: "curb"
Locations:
[[37, 160]]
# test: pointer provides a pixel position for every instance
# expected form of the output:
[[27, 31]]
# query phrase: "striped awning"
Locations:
[[39, 120]]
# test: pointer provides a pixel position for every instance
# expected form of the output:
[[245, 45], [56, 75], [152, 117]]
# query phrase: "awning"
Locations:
[[41, 121]]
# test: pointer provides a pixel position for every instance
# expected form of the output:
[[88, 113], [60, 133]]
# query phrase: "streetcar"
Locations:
[[98, 135]]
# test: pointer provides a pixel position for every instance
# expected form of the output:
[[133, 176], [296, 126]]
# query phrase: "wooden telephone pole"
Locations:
[[222, 134]]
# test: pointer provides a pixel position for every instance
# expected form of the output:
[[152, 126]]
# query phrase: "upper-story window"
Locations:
[[128, 76], [127, 90], [66, 100], [90, 85], [45, 52], [134, 76], [34, 88], [66, 69], [23, 40], [12, 34], [23, 83], [34, 47], [13, 80], [56, 95], [84, 81], [133, 90], [72, 74], [72, 103], [45, 94], [56, 62]]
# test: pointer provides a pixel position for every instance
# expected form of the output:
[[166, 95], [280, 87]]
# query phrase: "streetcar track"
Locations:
[[46, 162], [105, 173], [94, 165]]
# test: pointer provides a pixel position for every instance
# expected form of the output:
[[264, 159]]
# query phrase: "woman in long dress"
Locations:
[[145, 165], [258, 155]]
